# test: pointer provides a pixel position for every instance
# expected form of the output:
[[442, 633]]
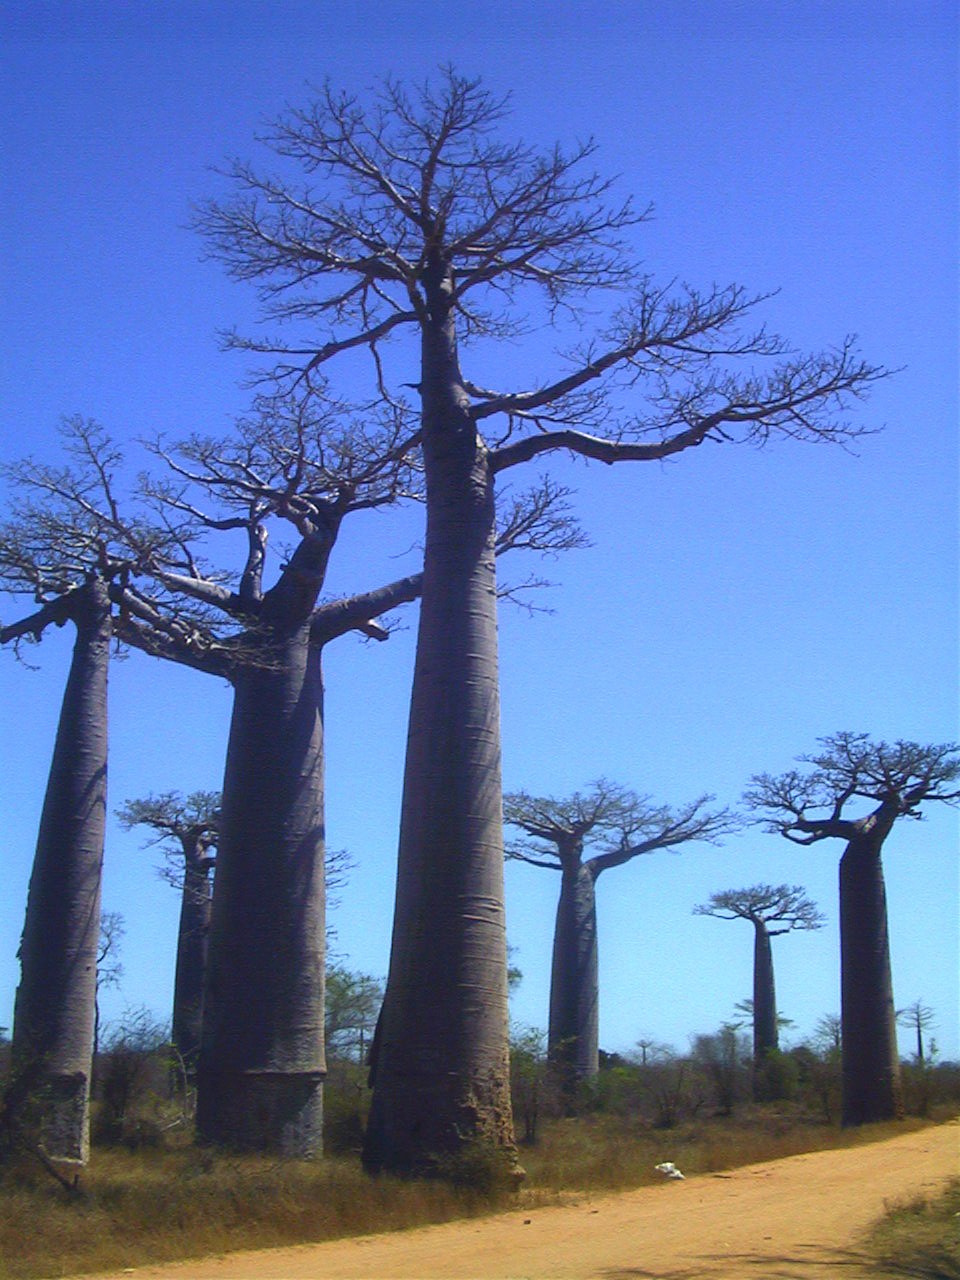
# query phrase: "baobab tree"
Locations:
[[304, 466], [855, 790], [919, 1017], [620, 826], [772, 910], [185, 831], [410, 217], [66, 546]]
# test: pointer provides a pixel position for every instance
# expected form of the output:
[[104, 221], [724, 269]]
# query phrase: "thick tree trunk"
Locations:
[[262, 1061], [572, 1038], [195, 908], [871, 1065], [441, 1071], [55, 1003], [765, 1036]]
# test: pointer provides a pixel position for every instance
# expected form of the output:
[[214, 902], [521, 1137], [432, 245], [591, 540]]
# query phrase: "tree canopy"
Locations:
[[815, 803], [615, 821], [784, 906]]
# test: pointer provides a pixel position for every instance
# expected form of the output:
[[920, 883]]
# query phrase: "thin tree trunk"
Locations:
[[195, 906], [262, 1054], [572, 1038], [440, 1059], [765, 1034], [871, 1065], [56, 999]]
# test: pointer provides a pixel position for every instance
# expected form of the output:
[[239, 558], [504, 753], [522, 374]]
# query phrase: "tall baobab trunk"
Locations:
[[195, 906], [871, 1064], [441, 1070], [262, 1060], [55, 1003], [572, 1038], [765, 1035]]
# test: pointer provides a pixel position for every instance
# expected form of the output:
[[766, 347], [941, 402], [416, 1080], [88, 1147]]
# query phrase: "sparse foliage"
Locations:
[[855, 790], [352, 1003], [109, 965], [66, 545], [406, 213], [919, 1017], [616, 825], [772, 910]]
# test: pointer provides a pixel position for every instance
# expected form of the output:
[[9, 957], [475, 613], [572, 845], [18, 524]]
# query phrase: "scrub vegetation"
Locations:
[[149, 1194]]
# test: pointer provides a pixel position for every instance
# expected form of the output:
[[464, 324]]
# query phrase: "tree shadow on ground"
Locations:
[[931, 1263]]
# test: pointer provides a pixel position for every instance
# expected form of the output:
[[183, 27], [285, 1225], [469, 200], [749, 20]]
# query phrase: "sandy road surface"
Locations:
[[799, 1217]]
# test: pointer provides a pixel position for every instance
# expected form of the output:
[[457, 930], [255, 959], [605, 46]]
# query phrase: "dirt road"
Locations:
[[799, 1217]]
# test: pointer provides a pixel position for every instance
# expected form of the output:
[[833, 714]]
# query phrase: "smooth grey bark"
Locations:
[[195, 910], [871, 1063], [573, 1031], [440, 1071], [262, 1057], [622, 826], [55, 1001], [765, 1034]]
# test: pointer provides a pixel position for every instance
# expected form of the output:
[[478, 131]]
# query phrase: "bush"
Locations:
[[776, 1077], [133, 1082], [929, 1085], [346, 1103]]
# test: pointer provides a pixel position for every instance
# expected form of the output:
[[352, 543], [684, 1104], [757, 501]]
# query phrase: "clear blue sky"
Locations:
[[735, 604]]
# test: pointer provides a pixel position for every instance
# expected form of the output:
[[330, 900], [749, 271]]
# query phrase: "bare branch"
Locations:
[[784, 905], [894, 779], [357, 612]]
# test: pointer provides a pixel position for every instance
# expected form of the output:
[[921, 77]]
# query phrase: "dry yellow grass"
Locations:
[[608, 1152], [133, 1208], [156, 1205]]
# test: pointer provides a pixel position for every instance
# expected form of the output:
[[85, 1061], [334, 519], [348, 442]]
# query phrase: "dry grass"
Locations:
[[608, 1152], [159, 1205], [919, 1238], [135, 1208]]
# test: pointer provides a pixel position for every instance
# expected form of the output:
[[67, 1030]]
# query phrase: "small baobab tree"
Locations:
[[772, 910], [185, 831], [855, 790], [618, 825], [919, 1017], [407, 215]]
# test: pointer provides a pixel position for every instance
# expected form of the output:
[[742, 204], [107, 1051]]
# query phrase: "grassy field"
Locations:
[[155, 1205], [920, 1239]]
